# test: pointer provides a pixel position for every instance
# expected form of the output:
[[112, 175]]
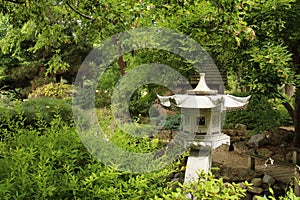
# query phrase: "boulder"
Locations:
[[289, 157], [256, 190], [258, 140], [280, 135], [257, 182], [240, 127], [240, 147], [248, 196], [264, 152], [268, 179]]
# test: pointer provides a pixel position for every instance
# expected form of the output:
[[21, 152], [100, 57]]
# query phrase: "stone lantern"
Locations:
[[201, 110]]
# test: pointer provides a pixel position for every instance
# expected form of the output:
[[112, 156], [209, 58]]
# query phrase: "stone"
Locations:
[[248, 196], [264, 152], [242, 185], [224, 147], [280, 135], [257, 182], [279, 191], [240, 147], [268, 179], [278, 157], [258, 140], [256, 190], [240, 126], [289, 157]]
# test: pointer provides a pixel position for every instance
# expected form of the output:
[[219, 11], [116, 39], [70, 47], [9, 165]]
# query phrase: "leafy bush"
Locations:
[[56, 165], [35, 112], [207, 187], [258, 116], [54, 90], [173, 122], [285, 118]]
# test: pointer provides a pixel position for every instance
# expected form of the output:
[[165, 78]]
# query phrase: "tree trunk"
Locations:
[[122, 65], [296, 141], [290, 110], [121, 62]]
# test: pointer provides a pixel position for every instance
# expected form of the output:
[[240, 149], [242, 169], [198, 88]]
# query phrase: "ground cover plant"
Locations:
[[50, 162]]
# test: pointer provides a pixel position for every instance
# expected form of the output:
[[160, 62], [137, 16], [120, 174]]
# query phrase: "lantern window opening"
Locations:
[[201, 121]]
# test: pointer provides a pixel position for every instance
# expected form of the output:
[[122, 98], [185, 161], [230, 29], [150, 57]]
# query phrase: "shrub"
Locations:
[[54, 90], [56, 165], [285, 118], [35, 112], [207, 187], [258, 116]]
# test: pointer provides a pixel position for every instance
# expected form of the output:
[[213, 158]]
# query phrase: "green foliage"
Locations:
[[35, 112], [284, 117], [288, 196], [54, 90], [56, 165], [207, 187], [258, 116], [173, 122]]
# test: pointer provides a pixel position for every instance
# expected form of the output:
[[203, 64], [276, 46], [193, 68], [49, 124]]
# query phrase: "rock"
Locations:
[[278, 157], [279, 136], [257, 182], [256, 190], [278, 190], [289, 157], [176, 175], [264, 152], [248, 196], [268, 179], [258, 140], [240, 147], [230, 132], [240, 126], [242, 185], [224, 147], [265, 187]]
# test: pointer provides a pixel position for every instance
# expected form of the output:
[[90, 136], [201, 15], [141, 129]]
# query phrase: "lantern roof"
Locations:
[[205, 98], [202, 88], [227, 102]]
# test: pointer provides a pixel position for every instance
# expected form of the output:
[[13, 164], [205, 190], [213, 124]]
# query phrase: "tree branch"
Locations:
[[288, 107], [78, 12]]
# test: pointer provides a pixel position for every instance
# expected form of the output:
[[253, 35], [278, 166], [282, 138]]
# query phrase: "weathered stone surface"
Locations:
[[224, 147], [279, 136], [256, 190], [258, 140], [289, 157], [248, 196], [240, 147], [264, 152], [240, 126], [278, 157], [236, 175], [257, 182], [278, 190], [268, 179]]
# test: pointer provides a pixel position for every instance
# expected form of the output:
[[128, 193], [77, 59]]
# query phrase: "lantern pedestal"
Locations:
[[199, 159]]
